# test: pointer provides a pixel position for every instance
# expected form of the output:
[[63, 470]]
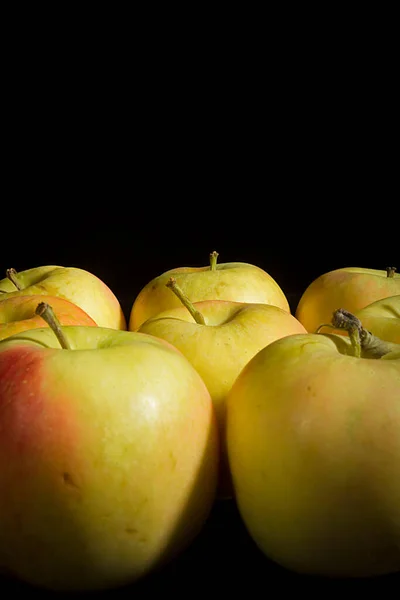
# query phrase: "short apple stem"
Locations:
[[213, 260], [361, 339], [391, 271], [13, 277], [197, 316], [45, 311]]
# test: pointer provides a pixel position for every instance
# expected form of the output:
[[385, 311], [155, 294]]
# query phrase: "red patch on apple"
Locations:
[[31, 424]]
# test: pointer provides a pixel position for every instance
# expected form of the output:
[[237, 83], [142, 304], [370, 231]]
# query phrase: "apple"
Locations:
[[382, 318], [108, 456], [313, 441], [18, 314], [219, 337], [71, 283], [234, 281], [350, 287]]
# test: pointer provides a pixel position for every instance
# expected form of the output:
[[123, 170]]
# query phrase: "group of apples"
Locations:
[[118, 435]]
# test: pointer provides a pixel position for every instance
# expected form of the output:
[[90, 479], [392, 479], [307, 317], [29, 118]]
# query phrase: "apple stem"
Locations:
[[13, 277], [197, 316], [376, 347], [45, 311], [353, 335], [213, 260], [391, 271], [361, 339]]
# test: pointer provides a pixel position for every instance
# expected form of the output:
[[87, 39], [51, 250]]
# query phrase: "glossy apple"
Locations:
[[108, 456], [352, 288], [18, 314], [313, 439], [71, 283], [219, 337], [233, 281]]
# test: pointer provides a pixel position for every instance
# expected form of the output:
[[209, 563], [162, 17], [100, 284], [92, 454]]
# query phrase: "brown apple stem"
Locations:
[[197, 316], [45, 311], [391, 271], [213, 260], [13, 277], [361, 340], [374, 346]]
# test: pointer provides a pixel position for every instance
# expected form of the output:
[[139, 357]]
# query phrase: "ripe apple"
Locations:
[[76, 285], [219, 337], [108, 456], [234, 281], [350, 287], [382, 318], [18, 313], [313, 439]]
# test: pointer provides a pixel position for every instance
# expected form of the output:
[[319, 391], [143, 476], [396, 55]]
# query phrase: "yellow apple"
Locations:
[[352, 288], [219, 337], [234, 281], [313, 440], [76, 285], [382, 318], [108, 456], [18, 314]]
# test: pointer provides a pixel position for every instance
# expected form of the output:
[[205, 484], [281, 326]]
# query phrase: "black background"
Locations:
[[128, 159]]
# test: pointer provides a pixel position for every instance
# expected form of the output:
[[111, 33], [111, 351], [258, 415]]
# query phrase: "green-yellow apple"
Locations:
[[382, 318], [219, 337], [350, 287], [234, 281], [108, 456], [76, 285], [313, 439], [18, 314]]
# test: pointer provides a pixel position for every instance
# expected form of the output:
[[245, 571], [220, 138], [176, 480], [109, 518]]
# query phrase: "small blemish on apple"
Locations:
[[68, 480], [132, 531], [173, 461]]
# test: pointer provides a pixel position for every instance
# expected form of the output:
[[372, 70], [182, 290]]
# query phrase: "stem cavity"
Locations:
[[197, 316], [13, 277], [45, 311]]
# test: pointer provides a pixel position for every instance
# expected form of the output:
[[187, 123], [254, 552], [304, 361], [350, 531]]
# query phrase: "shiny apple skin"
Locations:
[[313, 438], [108, 457]]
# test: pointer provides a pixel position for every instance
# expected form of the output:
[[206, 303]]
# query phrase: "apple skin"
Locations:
[[351, 288], [313, 438], [17, 314], [234, 333], [76, 285], [108, 457], [233, 281], [382, 318]]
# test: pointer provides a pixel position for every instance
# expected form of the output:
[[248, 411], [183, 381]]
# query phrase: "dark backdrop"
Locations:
[[127, 234], [128, 166]]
